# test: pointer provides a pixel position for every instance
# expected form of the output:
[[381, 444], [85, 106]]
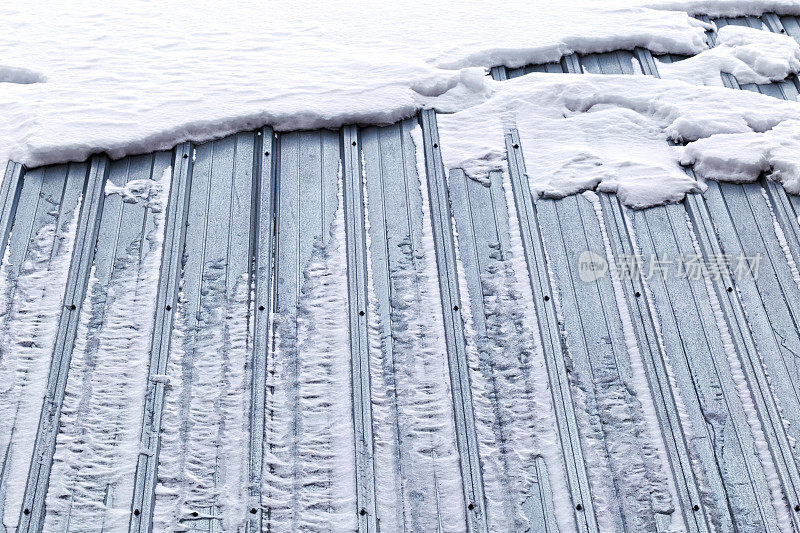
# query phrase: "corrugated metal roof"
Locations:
[[328, 329]]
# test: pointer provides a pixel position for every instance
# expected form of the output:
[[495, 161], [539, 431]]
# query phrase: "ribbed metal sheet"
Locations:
[[331, 330]]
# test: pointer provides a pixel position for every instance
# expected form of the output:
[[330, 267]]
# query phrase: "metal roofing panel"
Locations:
[[330, 327]]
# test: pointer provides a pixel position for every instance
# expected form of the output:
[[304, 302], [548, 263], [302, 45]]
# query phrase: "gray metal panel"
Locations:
[[699, 358], [353, 185], [9, 197], [407, 354], [647, 64], [658, 374], [92, 198], [454, 329], [499, 73], [552, 340], [790, 25], [571, 64], [126, 261], [35, 276], [619, 62], [671, 58], [264, 233], [600, 363], [768, 340], [174, 234], [207, 365], [307, 467], [748, 22], [482, 224]]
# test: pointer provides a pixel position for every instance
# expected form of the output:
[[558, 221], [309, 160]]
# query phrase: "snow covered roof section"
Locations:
[[290, 330], [122, 77], [383, 328]]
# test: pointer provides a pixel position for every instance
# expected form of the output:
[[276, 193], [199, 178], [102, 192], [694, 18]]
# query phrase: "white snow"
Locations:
[[751, 55], [134, 76], [123, 78], [610, 133], [742, 157]]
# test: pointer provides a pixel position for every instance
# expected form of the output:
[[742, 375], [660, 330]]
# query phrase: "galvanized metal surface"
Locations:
[[230, 262], [717, 235]]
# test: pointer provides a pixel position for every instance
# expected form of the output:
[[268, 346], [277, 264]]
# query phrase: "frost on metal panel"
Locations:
[[530, 364]]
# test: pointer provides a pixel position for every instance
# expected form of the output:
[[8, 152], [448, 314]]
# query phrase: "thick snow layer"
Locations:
[[135, 76], [753, 56], [122, 77], [611, 133], [729, 8], [743, 157]]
